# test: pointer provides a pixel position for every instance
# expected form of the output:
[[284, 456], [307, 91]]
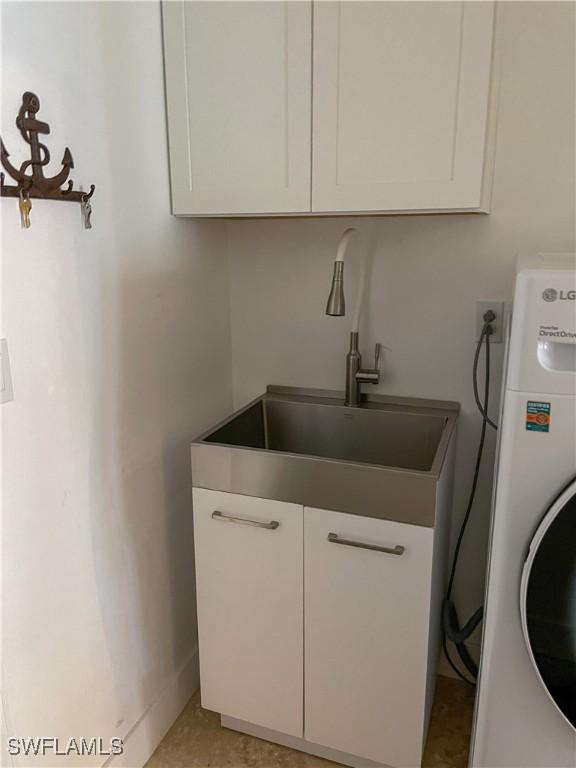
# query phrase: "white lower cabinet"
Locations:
[[366, 635], [250, 608], [316, 625]]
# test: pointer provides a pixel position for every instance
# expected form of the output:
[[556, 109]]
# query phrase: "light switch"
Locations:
[[6, 393]]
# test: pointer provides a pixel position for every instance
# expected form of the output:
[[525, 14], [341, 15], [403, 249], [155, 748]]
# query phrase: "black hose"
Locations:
[[450, 621], [486, 329]]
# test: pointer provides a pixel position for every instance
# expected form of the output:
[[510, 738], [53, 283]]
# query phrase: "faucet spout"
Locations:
[[336, 307]]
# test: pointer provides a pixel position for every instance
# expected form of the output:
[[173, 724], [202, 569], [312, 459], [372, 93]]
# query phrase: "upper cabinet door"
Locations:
[[400, 105], [238, 81]]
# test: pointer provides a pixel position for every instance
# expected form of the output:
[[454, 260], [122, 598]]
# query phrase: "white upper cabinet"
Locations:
[[238, 78], [400, 105], [344, 107]]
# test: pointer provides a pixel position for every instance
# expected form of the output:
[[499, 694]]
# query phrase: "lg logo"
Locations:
[[551, 294]]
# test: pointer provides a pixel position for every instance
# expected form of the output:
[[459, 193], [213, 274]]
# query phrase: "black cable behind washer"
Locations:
[[450, 621]]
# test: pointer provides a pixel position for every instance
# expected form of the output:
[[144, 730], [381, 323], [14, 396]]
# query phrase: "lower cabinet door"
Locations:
[[366, 635], [249, 567]]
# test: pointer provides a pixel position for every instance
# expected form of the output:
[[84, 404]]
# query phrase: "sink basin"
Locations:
[[383, 459], [388, 438]]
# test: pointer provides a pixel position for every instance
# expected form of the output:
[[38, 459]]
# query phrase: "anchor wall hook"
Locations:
[[25, 207], [29, 177], [86, 212]]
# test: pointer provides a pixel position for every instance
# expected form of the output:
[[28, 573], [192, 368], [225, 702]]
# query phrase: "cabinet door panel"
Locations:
[[238, 81], [366, 636], [250, 613], [400, 104]]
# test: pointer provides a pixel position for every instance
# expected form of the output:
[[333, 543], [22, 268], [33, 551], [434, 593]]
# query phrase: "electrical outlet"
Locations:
[[498, 308]]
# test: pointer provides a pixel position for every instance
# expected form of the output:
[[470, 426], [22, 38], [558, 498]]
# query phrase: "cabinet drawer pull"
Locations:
[[333, 538], [270, 524]]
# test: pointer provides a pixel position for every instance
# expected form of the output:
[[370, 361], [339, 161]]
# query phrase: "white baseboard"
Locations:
[[149, 730], [5, 756]]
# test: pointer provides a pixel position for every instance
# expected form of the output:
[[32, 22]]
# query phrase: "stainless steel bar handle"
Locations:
[[270, 524], [333, 538]]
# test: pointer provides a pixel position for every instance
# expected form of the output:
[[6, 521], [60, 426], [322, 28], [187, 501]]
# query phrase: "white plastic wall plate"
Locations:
[[6, 393]]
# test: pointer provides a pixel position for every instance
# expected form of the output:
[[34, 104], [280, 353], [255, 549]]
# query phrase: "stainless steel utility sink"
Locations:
[[383, 459]]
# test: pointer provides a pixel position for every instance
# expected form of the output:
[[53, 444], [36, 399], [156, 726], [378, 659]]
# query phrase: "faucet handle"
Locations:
[[377, 351], [371, 375]]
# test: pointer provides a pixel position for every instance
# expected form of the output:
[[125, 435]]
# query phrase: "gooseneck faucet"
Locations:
[[336, 307]]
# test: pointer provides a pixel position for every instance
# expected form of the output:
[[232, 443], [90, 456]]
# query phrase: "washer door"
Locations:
[[548, 602]]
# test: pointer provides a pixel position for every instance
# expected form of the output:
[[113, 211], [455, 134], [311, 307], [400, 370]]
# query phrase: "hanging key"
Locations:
[[86, 212], [25, 208]]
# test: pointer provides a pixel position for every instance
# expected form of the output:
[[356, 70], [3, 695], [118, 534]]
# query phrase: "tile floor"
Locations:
[[196, 739]]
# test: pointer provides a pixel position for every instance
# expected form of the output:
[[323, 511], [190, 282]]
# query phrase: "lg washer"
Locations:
[[526, 704]]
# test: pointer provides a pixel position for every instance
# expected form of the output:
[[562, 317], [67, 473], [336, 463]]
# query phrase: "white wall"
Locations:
[[120, 350], [120, 347], [428, 271]]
